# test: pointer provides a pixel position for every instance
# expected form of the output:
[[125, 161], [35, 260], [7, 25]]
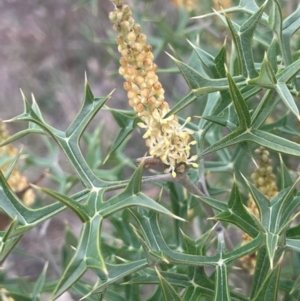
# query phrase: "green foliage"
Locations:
[[166, 248]]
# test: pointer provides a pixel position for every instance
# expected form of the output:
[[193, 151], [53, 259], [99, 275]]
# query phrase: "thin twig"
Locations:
[[185, 181], [201, 184], [47, 248]]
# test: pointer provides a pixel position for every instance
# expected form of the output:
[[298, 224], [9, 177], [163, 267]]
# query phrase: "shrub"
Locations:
[[210, 214]]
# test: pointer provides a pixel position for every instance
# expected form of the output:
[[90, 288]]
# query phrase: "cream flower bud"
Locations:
[[131, 37], [127, 86], [139, 80], [142, 38], [112, 16], [140, 108], [122, 70], [137, 29], [131, 94], [157, 86]]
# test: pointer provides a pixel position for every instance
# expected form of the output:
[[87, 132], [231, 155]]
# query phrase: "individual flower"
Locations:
[[165, 137]]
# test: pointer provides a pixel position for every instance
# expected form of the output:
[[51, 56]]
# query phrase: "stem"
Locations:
[[185, 181], [201, 184], [47, 248]]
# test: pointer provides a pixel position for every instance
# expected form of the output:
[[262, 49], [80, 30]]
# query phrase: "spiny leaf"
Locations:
[[20, 135], [269, 288], [131, 196], [116, 272], [239, 104], [37, 111], [271, 244], [199, 84], [285, 177], [192, 293], [122, 201], [263, 110], [289, 27], [31, 114], [245, 6], [287, 98], [181, 104], [261, 270], [266, 77], [76, 207], [237, 214], [90, 106], [272, 53], [211, 104], [242, 37], [10, 203], [215, 65], [126, 123], [222, 290], [88, 255], [234, 137], [169, 292], [275, 21], [197, 247], [150, 276], [12, 166], [8, 240], [273, 142], [38, 286], [289, 72]]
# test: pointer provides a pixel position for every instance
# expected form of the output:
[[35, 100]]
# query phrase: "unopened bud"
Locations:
[[125, 25], [139, 80], [137, 29], [151, 100], [142, 38], [140, 108], [131, 94], [145, 92], [112, 16], [131, 37], [123, 62], [127, 86], [122, 70], [157, 85]]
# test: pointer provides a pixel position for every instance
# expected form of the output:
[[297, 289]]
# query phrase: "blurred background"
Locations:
[[47, 46]]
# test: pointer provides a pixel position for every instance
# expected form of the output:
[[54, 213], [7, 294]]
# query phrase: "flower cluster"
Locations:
[[165, 137], [263, 177], [16, 181], [265, 181]]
